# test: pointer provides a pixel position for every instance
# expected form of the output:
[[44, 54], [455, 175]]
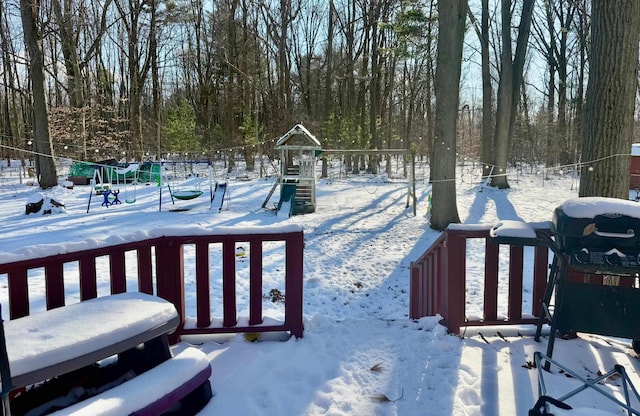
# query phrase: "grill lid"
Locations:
[[603, 233], [591, 207]]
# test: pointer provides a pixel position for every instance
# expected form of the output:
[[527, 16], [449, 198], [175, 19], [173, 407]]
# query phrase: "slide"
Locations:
[[287, 200], [218, 196]]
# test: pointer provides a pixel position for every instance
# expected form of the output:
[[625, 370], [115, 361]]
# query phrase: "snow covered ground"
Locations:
[[361, 354]]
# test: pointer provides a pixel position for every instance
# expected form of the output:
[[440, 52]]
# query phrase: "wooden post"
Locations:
[[516, 263], [455, 268], [229, 308], [255, 282], [203, 313], [293, 283], [54, 285], [170, 276], [492, 251], [18, 294], [88, 284]]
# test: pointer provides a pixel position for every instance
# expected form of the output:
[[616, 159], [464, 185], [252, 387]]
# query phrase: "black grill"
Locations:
[[599, 234]]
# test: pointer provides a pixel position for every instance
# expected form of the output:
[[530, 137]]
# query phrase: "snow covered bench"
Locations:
[[153, 391], [132, 326]]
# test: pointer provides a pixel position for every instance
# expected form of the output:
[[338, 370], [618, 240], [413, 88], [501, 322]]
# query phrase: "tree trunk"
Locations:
[[43, 152], [552, 66], [511, 77], [487, 93], [11, 120], [68, 37], [505, 96], [582, 30], [329, 64], [451, 19], [611, 93], [429, 92], [133, 14], [155, 80]]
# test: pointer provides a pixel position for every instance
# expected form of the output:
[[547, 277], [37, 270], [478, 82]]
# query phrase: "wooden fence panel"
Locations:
[[168, 254]]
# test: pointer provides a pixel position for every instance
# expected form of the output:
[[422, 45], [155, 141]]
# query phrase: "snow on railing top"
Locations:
[[511, 228], [535, 225], [46, 250]]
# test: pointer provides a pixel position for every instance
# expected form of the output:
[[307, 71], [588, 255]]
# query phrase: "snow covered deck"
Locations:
[[497, 374]]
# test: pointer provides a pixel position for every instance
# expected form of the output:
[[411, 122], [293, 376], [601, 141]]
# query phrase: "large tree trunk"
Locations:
[[43, 152], [429, 91], [487, 92], [511, 77], [505, 96], [451, 17], [611, 92]]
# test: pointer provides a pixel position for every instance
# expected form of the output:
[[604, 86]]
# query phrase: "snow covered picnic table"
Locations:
[[132, 326], [47, 344]]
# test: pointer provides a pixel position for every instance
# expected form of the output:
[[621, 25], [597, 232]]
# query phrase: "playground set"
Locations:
[[297, 180], [184, 180], [187, 180]]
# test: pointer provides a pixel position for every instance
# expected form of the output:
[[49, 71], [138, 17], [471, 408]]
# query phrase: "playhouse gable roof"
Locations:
[[298, 135]]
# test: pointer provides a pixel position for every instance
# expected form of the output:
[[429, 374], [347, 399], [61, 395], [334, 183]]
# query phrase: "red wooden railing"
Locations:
[[169, 256], [438, 281]]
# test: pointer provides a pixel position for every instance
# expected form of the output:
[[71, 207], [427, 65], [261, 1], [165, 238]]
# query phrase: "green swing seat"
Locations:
[[186, 195]]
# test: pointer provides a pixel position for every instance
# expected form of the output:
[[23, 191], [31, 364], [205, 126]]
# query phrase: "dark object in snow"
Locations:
[[79, 180], [34, 207], [540, 408], [276, 296], [44, 204]]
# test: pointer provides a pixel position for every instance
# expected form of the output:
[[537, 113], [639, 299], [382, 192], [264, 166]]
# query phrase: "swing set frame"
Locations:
[[411, 182], [107, 189], [185, 195]]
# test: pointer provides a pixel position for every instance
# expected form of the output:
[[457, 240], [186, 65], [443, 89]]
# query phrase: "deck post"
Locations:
[[454, 269], [170, 275]]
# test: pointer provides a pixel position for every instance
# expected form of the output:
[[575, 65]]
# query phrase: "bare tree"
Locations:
[[11, 119], [487, 91], [451, 20], [136, 18], [43, 152], [72, 23], [552, 39], [511, 76], [610, 101]]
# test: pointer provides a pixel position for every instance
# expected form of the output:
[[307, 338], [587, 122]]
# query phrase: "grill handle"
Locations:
[[629, 234]]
